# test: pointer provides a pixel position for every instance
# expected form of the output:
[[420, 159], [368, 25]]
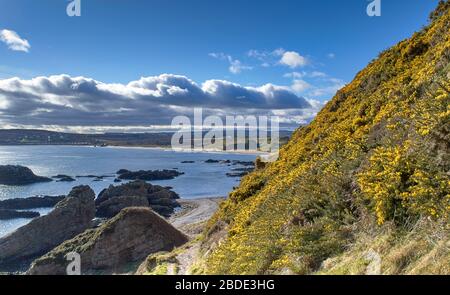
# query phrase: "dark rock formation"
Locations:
[[70, 217], [129, 237], [113, 206], [240, 172], [63, 178], [19, 175], [159, 198], [94, 176], [149, 175], [187, 162], [244, 163], [31, 203], [211, 161], [122, 171], [6, 214], [237, 174]]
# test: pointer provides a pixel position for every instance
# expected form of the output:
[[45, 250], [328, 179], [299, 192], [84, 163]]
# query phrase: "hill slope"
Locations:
[[370, 173]]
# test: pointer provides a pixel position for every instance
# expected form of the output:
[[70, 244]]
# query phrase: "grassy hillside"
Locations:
[[370, 173]]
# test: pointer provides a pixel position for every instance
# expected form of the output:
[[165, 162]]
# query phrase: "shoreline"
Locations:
[[160, 148]]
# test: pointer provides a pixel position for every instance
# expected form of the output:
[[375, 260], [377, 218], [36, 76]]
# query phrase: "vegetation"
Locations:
[[371, 172]]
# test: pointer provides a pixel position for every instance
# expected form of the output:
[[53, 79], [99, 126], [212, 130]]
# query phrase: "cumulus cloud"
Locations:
[[14, 41], [236, 66], [293, 59], [63, 100]]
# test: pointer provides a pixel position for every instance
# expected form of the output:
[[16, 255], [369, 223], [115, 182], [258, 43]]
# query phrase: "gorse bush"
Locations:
[[378, 150]]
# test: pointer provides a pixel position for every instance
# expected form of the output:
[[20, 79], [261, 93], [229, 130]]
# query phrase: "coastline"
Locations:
[[160, 148]]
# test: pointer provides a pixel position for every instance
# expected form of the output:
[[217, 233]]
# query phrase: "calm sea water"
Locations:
[[200, 179]]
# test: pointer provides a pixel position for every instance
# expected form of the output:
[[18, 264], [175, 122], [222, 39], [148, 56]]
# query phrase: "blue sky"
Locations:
[[240, 41]]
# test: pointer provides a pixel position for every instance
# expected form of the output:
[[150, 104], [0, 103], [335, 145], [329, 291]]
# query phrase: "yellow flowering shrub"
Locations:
[[379, 149]]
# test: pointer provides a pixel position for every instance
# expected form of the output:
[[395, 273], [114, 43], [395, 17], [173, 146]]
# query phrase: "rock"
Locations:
[[94, 176], [31, 203], [236, 174], [244, 169], [150, 175], [129, 237], [6, 214], [63, 178], [97, 222], [113, 206], [70, 217], [244, 163], [19, 175], [211, 161], [122, 171], [117, 180], [187, 162], [160, 199]]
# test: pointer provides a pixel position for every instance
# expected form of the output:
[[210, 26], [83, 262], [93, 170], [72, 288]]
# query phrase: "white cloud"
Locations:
[[329, 89], [331, 55], [78, 101], [295, 75], [14, 41], [293, 60], [266, 58], [300, 86], [236, 66], [319, 84], [317, 74]]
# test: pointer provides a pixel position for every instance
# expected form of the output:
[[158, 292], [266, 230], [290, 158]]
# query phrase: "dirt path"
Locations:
[[191, 220], [194, 214]]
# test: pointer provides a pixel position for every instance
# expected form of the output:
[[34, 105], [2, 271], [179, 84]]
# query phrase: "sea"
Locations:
[[199, 181]]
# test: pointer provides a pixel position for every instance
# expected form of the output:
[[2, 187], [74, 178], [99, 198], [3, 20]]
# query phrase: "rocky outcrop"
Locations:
[[244, 163], [70, 217], [6, 214], [64, 178], [31, 203], [240, 172], [160, 199], [113, 206], [148, 175], [129, 237], [19, 175]]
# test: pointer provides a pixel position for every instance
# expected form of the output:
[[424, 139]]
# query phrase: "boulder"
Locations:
[[149, 175], [6, 214], [31, 203], [160, 199], [127, 238], [19, 175], [71, 216], [113, 206]]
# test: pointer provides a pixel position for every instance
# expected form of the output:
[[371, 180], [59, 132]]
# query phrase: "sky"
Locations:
[[134, 64]]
